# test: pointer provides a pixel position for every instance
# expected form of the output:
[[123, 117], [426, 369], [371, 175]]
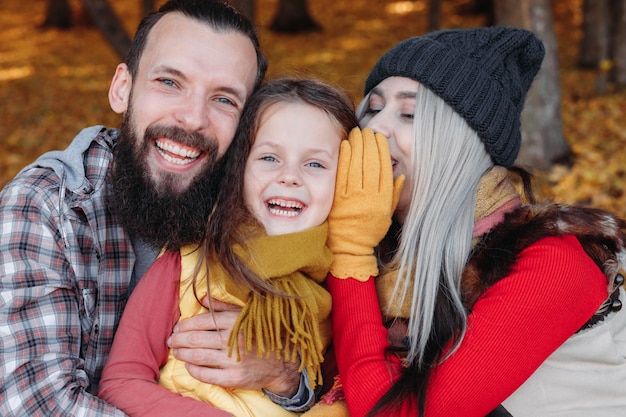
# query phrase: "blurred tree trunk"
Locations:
[[110, 26], [487, 7], [603, 45], [481, 7], [293, 17], [543, 143], [618, 74], [434, 14], [146, 7], [245, 7], [595, 43], [58, 14]]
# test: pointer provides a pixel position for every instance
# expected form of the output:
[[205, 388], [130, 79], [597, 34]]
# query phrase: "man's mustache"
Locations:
[[177, 134]]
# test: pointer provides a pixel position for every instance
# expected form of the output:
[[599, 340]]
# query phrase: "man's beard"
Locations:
[[160, 214]]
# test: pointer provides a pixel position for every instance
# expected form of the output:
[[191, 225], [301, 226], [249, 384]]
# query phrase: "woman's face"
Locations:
[[389, 111]]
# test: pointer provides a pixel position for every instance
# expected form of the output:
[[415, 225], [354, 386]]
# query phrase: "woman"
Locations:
[[483, 300]]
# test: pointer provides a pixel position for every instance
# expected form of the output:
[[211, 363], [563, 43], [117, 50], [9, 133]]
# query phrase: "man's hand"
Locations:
[[202, 342]]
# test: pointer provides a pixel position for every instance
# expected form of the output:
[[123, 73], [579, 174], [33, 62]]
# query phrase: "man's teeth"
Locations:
[[284, 208], [176, 154]]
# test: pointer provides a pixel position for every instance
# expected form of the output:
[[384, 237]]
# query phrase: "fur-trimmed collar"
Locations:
[[601, 234]]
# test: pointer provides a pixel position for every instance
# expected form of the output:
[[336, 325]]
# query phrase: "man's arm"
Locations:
[[202, 342], [43, 311]]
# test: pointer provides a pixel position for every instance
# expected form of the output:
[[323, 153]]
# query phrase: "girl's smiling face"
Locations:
[[289, 178]]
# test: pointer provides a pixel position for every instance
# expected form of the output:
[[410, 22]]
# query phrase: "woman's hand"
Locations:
[[365, 198]]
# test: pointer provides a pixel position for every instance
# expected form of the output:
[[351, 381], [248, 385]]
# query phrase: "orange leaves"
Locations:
[[596, 131], [53, 83]]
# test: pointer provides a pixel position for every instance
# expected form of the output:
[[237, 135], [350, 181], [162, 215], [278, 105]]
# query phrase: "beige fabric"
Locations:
[[595, 359]]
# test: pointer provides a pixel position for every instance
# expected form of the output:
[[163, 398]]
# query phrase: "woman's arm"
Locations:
[[129, 380], [360, 340], [514, 326]]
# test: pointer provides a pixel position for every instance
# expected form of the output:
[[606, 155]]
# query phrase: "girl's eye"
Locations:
[[315, 165], [371, 111], [407, 116], [268, 158]]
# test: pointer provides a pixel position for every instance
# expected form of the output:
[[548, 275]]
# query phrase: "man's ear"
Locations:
[[119, 91]]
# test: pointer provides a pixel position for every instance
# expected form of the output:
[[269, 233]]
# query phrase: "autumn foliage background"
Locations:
[[53, 83]]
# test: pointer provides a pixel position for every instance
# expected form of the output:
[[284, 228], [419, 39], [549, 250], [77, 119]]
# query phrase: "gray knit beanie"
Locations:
[[483, 73]]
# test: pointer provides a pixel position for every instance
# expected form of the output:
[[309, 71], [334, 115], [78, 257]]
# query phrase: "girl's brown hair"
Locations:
[[224, 227]]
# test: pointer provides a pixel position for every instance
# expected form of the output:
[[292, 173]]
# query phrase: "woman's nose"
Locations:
[[379, 123]]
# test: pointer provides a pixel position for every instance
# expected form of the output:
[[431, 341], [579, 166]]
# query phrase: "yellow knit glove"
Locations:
[[365, 198]]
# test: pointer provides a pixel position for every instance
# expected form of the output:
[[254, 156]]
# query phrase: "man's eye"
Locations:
[[168, 82], [371, 111], [226, 100]]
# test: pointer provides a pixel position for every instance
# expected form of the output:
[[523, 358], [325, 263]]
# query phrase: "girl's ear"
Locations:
[[119, 91]]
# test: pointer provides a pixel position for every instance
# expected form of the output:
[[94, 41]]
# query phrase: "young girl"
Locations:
[[485, 300], [264, 249]]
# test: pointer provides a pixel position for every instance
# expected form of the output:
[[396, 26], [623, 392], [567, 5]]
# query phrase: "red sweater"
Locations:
[[515, 325], [132, 370]]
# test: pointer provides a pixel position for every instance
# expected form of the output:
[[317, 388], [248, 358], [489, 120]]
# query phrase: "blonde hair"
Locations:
[[435, 242]]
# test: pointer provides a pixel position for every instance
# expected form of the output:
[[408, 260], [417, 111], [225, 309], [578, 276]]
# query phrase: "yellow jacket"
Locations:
[[301, 259]]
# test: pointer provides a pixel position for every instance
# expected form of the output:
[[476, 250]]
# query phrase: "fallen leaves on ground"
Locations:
[[53, 83]]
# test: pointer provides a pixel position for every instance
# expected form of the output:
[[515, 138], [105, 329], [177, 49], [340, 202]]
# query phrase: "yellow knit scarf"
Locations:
[[291, 326], [495, 197]]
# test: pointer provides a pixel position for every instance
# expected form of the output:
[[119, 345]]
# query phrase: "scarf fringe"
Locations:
[[285, 325]]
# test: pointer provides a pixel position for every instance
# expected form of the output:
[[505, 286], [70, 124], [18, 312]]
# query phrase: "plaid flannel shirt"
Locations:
[[65, 265]]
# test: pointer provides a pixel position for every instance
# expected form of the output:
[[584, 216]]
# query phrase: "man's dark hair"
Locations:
[[219, 15]]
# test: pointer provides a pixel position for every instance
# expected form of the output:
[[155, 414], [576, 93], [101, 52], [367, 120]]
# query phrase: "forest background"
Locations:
[[54, 82]]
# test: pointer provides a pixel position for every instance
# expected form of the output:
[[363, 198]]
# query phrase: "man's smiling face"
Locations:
[[187, 97]]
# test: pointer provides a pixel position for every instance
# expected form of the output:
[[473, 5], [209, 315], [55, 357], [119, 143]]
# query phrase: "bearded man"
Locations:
[[79, 227]]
